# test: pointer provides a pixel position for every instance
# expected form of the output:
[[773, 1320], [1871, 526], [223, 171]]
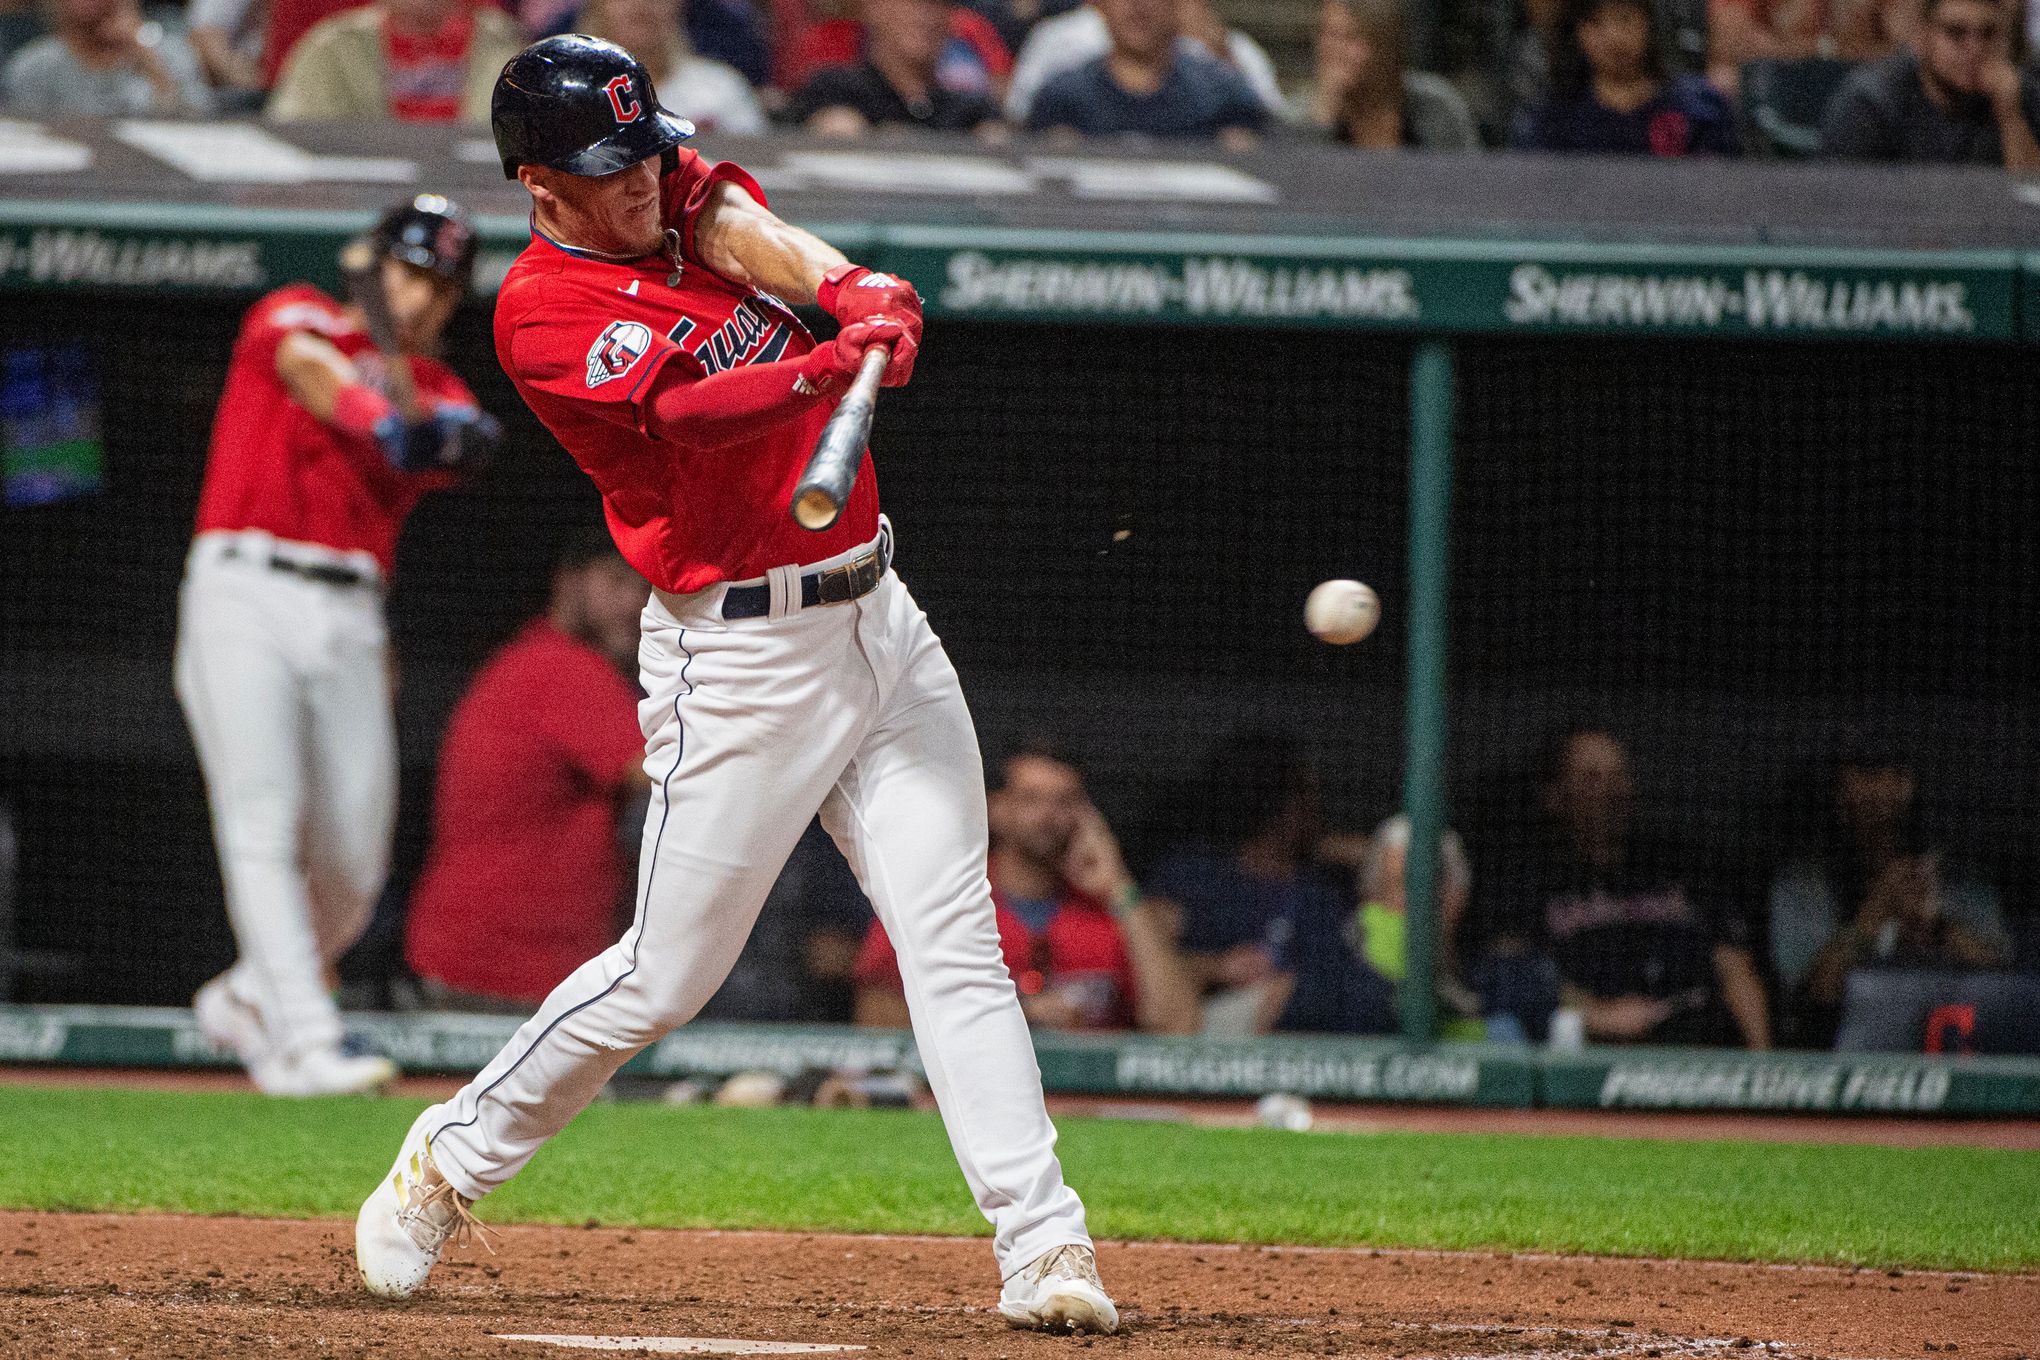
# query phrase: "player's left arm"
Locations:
[[746, 242]]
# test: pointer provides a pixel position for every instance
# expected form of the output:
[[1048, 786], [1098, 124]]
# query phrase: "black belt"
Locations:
[[323, 572], [831, 585]]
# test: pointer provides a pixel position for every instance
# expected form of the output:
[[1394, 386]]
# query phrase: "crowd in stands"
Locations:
[[1939, 81], [1564, 910]]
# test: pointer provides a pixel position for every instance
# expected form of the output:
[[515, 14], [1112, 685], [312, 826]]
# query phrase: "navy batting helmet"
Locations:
[[429, 232], [580, 105]]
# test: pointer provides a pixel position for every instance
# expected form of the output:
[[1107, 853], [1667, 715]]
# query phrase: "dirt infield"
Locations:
[[79, 1284]]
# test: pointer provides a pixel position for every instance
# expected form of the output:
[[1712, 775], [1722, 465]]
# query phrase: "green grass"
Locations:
[[651, 1165]]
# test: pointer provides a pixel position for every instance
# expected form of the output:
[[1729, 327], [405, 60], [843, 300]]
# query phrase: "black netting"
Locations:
[[1737, 558], [1112, 529], [1747, 562]]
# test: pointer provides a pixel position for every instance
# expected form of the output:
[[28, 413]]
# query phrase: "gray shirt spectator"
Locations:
[[1198, 98], [104, 59]]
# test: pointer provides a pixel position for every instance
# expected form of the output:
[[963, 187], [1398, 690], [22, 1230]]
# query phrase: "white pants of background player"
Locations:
[[285, 682], [750, 727]]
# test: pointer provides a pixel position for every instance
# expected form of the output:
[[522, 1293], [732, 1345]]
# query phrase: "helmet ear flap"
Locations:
[[669, 161]]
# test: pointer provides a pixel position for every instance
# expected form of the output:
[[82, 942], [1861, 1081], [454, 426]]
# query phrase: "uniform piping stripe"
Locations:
[[644, 906]]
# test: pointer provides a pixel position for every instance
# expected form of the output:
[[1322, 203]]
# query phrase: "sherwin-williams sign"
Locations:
[[1434, 286], [1465, 286]]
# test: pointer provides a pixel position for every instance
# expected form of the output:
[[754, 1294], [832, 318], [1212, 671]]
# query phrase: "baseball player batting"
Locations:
[[320, 449], [786, 671]]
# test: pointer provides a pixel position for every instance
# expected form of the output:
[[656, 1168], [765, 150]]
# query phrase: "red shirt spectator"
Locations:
[[290, 20], [1080, 947], [524, 877], [1076, 964], [975, 59]]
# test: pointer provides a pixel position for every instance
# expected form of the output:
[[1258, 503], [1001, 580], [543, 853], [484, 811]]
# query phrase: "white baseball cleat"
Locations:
[[235, 1025], [1060, 1292], [408, 1221], [331, 1072]]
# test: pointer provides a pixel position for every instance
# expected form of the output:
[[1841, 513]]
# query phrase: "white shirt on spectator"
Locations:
[[713, 96], [1069, 40]]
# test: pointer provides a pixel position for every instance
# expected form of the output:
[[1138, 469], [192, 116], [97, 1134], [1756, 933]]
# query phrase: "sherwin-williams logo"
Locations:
[[1217, 287], [54, 256], [1761, 299]]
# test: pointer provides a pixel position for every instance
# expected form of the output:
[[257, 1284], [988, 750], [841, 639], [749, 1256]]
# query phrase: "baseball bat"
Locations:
[[361, 267], [824, 486]]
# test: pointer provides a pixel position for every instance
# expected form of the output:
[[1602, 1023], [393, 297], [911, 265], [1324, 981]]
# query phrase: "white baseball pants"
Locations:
[[285, 683], [751, 726]]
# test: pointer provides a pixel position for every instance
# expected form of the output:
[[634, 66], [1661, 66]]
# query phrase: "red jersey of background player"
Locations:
[[1080, 954], [583, 337], [274, 466]]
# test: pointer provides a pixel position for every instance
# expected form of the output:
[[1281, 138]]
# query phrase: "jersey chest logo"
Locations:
[[617, 350], [750, 336]]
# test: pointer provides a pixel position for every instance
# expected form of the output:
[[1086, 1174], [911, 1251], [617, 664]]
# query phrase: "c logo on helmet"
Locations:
[[621, 99]]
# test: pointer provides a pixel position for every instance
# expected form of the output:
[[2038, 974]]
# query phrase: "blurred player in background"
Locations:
[[282, 661]]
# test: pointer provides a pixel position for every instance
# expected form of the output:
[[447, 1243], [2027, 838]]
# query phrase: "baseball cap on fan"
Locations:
[[581, 105]]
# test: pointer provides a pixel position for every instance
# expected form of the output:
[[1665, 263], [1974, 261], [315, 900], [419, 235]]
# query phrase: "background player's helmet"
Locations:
[[432, 233], [580, 105]]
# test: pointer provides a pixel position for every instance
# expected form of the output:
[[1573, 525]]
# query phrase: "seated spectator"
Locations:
[[1954, 99], [1148, 84], [228, 37], [1341, 974], [1069, 40], [1082, 947], [896, 84], [1740, 31], [733, 33], [1612, 92], [1366, 95], [102, 58], [1229, 903], [1645, 951], [712, 96], [415, 61], [289, 21], [524, 880], [1874, 893], [970, 58]]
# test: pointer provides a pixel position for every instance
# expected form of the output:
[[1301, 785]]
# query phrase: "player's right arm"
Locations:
[[315, 373], [623, 372], [328, 385]]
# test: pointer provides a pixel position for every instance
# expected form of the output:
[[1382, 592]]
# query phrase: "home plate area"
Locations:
[[161, 1285]]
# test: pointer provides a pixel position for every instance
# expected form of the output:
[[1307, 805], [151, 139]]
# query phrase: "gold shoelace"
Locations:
[[466, 1228]]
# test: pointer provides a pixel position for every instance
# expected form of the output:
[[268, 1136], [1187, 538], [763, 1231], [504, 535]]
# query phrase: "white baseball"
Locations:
[[1340, 612]]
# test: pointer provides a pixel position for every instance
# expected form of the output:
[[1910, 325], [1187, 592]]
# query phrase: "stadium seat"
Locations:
[[1783, 101]]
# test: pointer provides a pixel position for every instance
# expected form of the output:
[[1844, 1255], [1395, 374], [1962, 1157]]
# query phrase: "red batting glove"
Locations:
[[833, 363], [850, 292]]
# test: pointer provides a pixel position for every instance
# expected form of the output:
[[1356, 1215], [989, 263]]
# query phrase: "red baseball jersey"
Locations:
[[1080, 954], [583, 338], [274, 466], [523, 879]]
